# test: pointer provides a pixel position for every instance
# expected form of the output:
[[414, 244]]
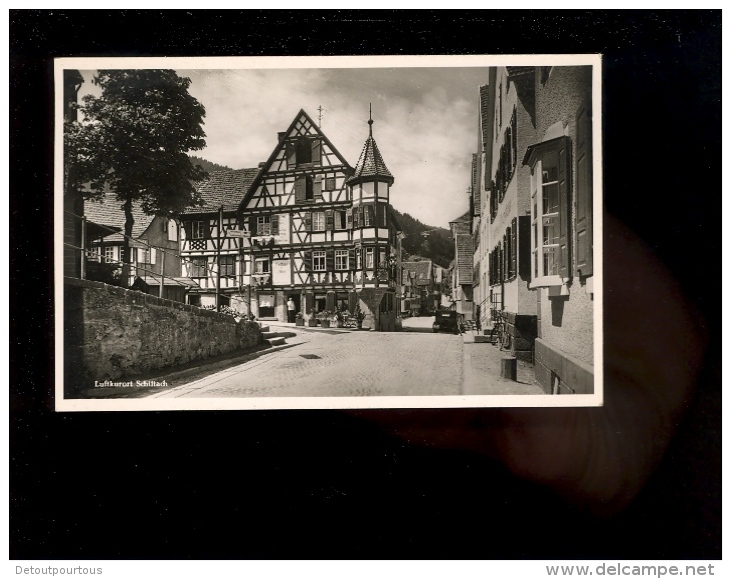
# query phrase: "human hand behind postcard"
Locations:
[[597, 458]]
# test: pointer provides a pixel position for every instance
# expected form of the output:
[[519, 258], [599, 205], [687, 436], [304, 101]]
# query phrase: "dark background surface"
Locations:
[[325, 484]]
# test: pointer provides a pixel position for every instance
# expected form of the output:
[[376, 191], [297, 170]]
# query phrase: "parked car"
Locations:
[[446, 321]]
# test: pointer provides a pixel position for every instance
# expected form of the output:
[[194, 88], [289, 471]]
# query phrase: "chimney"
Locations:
[[281, 134]]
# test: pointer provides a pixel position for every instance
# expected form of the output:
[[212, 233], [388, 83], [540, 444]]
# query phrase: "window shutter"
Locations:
[[356, 217], [307, 258], [584, 192], [317, 187], [514, 248], [363, 258], [352, 301], [153, 254], [300, 190], [499, 259], [329, 220], [384, 222], [308, 221], [252, 225], [514, 125], [351, 259], [563, 209], [309, 302], [274, 220], [316, 152], [330, 261], [291, 152], [349, 217]]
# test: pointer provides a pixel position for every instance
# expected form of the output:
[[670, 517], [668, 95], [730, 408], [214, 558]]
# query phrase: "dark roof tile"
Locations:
[[225, 188]]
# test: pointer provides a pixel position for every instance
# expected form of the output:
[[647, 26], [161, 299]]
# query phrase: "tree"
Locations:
[[132, 141]]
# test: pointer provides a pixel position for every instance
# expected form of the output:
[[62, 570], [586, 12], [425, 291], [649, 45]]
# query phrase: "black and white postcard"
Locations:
[[328, 232]]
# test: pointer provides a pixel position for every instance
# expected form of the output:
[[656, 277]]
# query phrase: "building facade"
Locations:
[[462, 271], [319, 231], [535, 237], [211, 253], [560, 161], [155, 249]]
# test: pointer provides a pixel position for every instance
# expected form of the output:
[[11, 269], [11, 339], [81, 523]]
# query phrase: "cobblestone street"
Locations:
[[317, 363], [322, 363]]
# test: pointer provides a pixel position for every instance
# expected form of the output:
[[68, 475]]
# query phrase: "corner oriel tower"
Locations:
[[372, 221]]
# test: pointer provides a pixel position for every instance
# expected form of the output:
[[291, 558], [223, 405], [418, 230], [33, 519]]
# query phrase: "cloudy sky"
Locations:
[[425, 123]]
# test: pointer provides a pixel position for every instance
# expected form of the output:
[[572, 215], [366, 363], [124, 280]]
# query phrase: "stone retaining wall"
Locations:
[[112, 333]]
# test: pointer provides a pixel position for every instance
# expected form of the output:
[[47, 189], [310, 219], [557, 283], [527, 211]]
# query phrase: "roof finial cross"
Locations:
[[370, 120]]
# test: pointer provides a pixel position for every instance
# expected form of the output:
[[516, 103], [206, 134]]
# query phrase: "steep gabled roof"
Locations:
[[267, 165], [422, 269], [370, 165], [225, 188], [108, 212]]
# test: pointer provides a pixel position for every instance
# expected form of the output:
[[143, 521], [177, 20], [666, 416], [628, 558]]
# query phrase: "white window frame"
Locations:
[[318, 221], [198, 230], [366, 217], [369, 256], [341, 259], [261, 265], [319, 261], [538, 247], [263, 225], [108, 254]]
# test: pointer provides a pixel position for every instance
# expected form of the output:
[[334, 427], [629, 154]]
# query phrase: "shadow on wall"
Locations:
[[557, 305]]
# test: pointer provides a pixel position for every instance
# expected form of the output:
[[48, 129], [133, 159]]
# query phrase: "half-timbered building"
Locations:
[[211, 254], [319, 231]]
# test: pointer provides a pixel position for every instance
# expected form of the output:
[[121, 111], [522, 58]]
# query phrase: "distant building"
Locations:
[[424, 294], [155, 248], [462, 272]]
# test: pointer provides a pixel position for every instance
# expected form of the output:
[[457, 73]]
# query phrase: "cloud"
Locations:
[[425, 123]]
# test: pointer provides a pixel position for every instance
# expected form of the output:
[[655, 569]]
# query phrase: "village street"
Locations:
[[318, 362]]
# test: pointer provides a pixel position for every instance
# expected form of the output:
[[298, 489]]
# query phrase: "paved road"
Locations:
[[344, 363]]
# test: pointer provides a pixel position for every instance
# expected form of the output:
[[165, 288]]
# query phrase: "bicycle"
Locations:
[[499, 333]]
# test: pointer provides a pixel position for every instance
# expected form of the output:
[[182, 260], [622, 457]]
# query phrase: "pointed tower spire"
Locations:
[[370, 166]]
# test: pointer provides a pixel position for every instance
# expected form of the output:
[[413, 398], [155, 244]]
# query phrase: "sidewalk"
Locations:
[[482, 371]]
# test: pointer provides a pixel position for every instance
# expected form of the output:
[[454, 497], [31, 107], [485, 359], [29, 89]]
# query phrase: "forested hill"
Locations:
[[437, 245], [208, 166]]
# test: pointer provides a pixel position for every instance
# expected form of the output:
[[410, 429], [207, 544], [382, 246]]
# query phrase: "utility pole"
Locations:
[[218, 259], [162, 272]]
